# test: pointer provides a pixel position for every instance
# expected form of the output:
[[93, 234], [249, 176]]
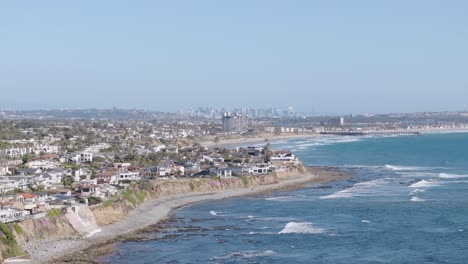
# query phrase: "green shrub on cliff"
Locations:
[[53, 213], [140, 196], [128, 195], [245, 181], [192, 187], [6, 232], [7, 240], [18, 229]]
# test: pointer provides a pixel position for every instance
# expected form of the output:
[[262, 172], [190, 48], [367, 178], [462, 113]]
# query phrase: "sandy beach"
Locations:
[[274, 137], [257, 139], [154, 211]]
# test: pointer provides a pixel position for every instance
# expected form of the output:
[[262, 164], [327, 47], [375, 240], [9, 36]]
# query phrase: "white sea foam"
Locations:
[[417, 199], [365, 221], [245, 254], [214, 213], [418, 174], [424, 184], [383, 187], [452, 176], [415, 191], [358, 166], [404, 168], [301, 228], [277, 198], [322, 142], [289, 198]]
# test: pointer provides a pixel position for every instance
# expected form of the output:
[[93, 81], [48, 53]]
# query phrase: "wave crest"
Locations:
[[301, 228], [417, 199], [245, 254], [423, 184], [452, 176]]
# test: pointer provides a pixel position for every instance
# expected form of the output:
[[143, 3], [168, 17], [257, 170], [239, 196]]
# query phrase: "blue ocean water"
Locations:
[[406, 202]]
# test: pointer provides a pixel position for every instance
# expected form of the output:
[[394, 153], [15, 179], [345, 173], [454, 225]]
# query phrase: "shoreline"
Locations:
[[74, 250], [258, 139], [272, 137]]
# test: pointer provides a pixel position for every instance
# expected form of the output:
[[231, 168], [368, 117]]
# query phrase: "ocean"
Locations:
[[406, 201]]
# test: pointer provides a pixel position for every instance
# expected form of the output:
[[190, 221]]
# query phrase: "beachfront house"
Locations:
[[282, 155], [128, 176], [9, 214], [221, 173]]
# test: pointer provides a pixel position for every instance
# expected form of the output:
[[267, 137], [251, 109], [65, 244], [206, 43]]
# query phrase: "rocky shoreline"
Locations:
[[149, 217]]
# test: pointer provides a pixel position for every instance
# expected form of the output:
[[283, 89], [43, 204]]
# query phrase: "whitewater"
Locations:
[[404, 202]]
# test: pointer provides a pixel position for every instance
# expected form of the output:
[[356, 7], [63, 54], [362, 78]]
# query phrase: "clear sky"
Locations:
[[338, 56]]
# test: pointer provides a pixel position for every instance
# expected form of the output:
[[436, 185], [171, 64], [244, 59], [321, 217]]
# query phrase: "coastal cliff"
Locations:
[[110, 213], [69, 225]]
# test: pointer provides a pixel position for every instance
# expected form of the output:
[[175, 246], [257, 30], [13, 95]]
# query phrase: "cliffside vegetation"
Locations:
[[56, 226], [8, 246]]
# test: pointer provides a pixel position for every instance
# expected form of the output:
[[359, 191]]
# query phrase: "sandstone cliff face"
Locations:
[[47, 228], [14, 236], [114, 212], [75, 224], [82, 220], [106, 215]]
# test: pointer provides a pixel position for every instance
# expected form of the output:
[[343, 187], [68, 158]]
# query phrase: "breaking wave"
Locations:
[[301, 228], [418, 174], [415, 191], [290, 198], [404, 168], [368, 188], [452, 176], [417, 199], [245, 254], [423, 184]]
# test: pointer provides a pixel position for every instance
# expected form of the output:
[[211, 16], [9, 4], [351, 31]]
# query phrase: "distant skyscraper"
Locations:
[[234, 123], [336, 122]]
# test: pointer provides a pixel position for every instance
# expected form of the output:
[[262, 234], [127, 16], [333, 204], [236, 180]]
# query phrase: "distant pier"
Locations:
[[371, 133]]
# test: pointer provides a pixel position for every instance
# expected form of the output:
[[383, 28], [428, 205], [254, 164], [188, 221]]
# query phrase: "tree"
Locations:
[[267, 152], [68, 180], [26, 158], [216, 140]]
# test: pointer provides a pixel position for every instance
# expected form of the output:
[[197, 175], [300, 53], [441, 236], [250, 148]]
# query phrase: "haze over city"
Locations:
[[336, 56]]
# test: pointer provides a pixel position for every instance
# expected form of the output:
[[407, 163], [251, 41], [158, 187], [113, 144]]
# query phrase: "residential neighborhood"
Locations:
[[55, 165]]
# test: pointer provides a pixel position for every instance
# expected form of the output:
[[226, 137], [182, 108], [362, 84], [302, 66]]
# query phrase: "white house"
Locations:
[[12, 182], [8, 215], [221, 172], [77, 157], [81, 173], [280, 155], [128, 176], [159, 148]]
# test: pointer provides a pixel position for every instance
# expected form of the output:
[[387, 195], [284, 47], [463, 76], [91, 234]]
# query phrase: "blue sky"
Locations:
[[337, 56]]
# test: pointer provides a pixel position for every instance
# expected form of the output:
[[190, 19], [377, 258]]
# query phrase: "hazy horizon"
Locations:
[[328, 56]]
